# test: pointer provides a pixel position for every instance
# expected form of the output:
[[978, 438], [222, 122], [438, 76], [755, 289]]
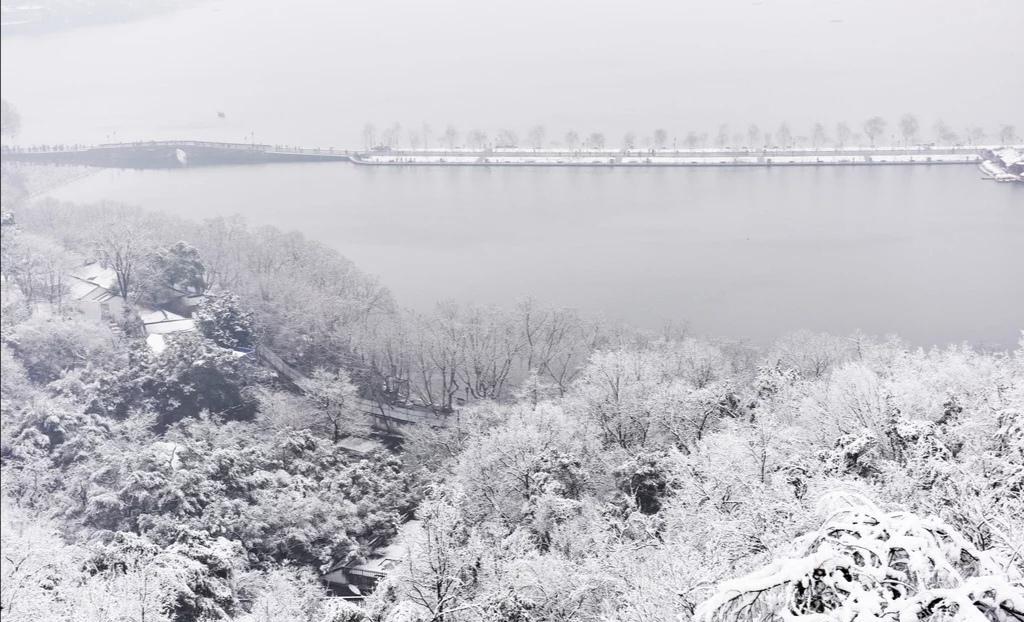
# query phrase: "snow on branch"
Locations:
[[864, 564]]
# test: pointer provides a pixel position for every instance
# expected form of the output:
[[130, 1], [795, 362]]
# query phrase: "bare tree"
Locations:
[[723, 136], [537, 133], [944, 134], [753, 133], [873, 128], [660, 138], [596, 140], [572, 140], [369, 136], [691, 140], [38, 266], [392, 136], [784, 135], [843, 133], [507, 138], [975, 135], [818, 135], [490, 344], [436, 572], [437, 358], [425, 133], [909, 128], [557, 342], [334, 395], [477, 139], [629, 141], [451, 136], [1007, 134], [124, 246]]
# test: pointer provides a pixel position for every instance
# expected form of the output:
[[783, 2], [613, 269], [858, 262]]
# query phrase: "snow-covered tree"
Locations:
[[334, 396], [224, 320], [867, 564], [50, 345], [180, 266]]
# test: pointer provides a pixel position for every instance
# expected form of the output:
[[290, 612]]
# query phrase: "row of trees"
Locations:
[[459, 354], [907, 131]]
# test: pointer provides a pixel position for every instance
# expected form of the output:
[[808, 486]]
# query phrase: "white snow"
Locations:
[[662, 159], [156, 343]]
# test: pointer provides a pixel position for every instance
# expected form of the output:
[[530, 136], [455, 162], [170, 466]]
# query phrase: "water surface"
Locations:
[[932, 253]]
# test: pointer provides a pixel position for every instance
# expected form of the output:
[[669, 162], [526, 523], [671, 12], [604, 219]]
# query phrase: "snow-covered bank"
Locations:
[[660, 159], [775, 156]]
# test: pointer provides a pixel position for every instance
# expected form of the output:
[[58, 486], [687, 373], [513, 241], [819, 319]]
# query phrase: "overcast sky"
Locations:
[[314, 72]]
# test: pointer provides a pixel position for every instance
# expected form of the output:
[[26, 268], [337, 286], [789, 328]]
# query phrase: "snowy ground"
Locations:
[[791, 158]]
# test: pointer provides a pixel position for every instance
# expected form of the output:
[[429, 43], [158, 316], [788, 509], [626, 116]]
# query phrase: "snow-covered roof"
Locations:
[[92, 283], [382, 559], [156, 343], [360, 445], [86, 291], [151, 316], [96, 274], [1009, 156], [171, 326], [161, 322]]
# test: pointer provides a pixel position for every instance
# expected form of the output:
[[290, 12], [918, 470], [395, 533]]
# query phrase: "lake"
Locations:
[[935, 254]]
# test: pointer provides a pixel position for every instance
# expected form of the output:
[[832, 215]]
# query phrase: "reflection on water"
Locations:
[[932, 253]]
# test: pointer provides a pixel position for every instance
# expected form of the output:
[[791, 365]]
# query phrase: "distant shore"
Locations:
[[673, 157], [179, 154]]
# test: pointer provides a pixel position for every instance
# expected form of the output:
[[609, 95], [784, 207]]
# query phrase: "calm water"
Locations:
[[934, 254]]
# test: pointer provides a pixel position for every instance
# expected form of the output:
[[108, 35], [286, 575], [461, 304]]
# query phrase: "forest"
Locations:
[[589, 470]]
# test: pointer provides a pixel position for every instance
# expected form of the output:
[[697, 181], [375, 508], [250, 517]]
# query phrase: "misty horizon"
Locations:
[[588, 67]]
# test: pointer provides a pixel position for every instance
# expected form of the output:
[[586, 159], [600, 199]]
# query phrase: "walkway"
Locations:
[[188, 153], [387, 417]]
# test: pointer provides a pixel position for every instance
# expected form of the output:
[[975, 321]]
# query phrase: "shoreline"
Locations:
[[187, 154]]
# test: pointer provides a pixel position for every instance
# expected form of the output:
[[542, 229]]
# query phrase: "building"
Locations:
[[1006, 164], [356, 580], [94, 288]]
